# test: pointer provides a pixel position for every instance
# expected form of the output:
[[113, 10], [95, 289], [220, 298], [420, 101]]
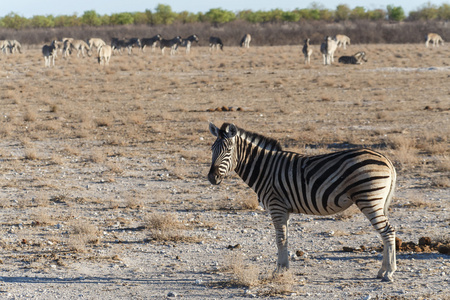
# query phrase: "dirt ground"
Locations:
[[103, 173]]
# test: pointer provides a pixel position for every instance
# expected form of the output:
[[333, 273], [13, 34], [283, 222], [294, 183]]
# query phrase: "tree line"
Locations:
[[163, 15]]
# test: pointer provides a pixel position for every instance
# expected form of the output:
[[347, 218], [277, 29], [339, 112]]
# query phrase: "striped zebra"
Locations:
[[172, 44], [307, 51], [342, 40], [287, 182], [434, 38], [79, 45], [4, 46], [151, 42], [245, 41], [104, 54], [214, 43], [14, 46], [355, 59], [49, 53], [95, 42], [187, 42], [327, 48]]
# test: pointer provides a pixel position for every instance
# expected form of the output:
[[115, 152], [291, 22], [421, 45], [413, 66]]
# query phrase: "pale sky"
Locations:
[[29, 8]]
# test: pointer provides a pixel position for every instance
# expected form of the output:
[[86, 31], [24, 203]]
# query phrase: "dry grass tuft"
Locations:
[[164, 227], [82, 233], [242, 274]]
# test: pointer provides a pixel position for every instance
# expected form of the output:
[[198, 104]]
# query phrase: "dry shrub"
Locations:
[[441, 182], [104, 122], [242, 274], [443, 164], [279, 284], [164, 227], [30, 116], [81, 233], [97, 156], [30, 154], [405, 151]]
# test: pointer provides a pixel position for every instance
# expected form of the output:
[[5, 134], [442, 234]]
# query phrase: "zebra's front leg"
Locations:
[[280, 221]]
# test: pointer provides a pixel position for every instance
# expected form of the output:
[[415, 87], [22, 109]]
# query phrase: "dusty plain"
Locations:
[[103, 189]]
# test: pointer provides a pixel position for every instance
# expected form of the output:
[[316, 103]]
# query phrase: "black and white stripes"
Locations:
[[288, 182]]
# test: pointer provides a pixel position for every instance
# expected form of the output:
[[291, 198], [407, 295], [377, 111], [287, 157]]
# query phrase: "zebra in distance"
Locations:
[[342, 40], [288, 182], [245, 41], [14, 46], [435, 38], [215, 43], [4, 46], [96, 42], [307, 51], [79, 45], [118, 44], [172, 44], [151, 42], [187, 42], [327, 48], [49, 53], [355, 59], [104, 54]]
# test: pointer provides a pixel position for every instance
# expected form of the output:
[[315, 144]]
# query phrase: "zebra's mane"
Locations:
[[258, 139]]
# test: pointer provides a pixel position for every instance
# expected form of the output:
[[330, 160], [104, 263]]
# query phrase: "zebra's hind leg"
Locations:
[[381, 224]]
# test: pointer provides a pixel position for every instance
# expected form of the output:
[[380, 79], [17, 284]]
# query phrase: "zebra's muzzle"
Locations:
[[214, 178]]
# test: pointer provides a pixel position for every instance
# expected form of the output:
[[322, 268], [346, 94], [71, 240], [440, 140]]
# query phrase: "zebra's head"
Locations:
[[223, 151]]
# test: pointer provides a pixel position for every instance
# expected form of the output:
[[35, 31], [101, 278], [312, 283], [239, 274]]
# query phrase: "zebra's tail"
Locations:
[[391, 191]]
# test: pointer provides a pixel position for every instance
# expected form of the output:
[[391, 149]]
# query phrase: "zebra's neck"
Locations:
[[253, 150]]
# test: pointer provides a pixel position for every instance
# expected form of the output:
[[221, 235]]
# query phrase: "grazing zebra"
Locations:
[[14, 46], [187, 42], [435, 38], [355, 59], [245, 41], [151, 42], [342, 40], [307, 51], [104, 54], [327, 49], [214, 43], [132, 43], [49, 53], [172, 44], [78, 45], [95, 42], [287, 182], [4, 46]]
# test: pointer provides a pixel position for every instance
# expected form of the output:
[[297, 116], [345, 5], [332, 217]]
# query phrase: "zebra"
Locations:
[[288, 182], [342, 40], [133, 42], [95, 42], [214, 43], [150, 42], [14, 46], [307, 51], [356, 59], [4, 46], [172, 44], [187, 42], [245, 41], [104, 54], [435, 38], [49, 53], [78, 45], [327, 49]]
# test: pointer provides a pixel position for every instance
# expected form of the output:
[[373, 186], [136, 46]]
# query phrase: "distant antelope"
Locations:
[[14, 46], [214, 43], [49, 53], [307, 51], [327, 49], [95, 42], [245, 41], [355, 59], [188, 41], [151, 42], [172, 44], [78, 45], [435, 38], [104, 54], [342, 40]]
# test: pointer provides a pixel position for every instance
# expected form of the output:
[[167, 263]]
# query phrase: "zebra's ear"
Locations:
[[213, 129], [231, 131]]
